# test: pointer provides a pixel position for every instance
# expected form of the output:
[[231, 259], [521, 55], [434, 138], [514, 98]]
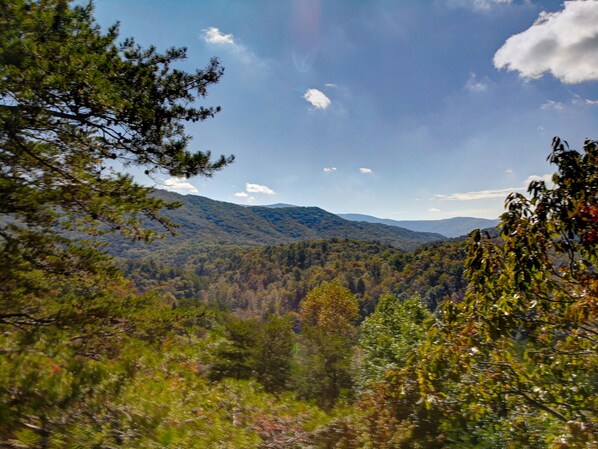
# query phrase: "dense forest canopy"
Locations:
[[488, 342]]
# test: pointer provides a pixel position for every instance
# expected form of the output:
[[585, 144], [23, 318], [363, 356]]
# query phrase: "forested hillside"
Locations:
[[346, 342], [257, 281], [203, 222]]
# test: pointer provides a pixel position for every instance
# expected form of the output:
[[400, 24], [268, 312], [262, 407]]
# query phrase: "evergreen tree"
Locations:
[[72, 103]]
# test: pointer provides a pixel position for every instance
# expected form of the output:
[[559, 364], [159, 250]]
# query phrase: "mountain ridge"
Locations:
[[203, 220], [448, 227]]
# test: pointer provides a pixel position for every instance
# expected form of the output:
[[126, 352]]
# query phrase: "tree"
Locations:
[[327, 315], [73, 102], [518, 356], [274, 353], [390, 334]]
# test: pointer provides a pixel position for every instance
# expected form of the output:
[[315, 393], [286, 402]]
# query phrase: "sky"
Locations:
[[401, 109]]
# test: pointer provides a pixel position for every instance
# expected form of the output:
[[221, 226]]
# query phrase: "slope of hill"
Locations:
[[450, 227], [204, 221]]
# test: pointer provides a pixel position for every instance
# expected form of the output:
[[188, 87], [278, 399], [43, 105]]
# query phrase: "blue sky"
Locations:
[[399, 109]]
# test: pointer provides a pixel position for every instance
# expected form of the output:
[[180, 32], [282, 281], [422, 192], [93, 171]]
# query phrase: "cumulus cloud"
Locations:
[[317, 98], [213, 35], [475, 85], [245, 196], [329, 169], [258, 188], [179, 185], [366, 170], [563, 43]]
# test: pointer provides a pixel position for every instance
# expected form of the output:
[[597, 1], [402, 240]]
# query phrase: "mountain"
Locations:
[[278, 205], [450, 227], [205, 221]]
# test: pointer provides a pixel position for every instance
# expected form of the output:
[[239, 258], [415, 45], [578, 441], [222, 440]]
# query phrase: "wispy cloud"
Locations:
[[487, 4], [213, 35], [477, 5], [562, 43], [591, 102], [479, 195], [317, 98], [366, 170], [179, 185], [329, 169], [551, 104], [475, 85], [259, 188], [493, 193]]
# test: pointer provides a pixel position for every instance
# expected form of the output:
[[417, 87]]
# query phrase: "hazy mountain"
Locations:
[[278, 205], [202, 220], [450, 227]]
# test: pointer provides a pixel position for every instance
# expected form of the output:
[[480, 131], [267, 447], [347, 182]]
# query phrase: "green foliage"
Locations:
[[327, 315], [73, 101], [258, 281], [390, 335], [251, 348], [514, 364]]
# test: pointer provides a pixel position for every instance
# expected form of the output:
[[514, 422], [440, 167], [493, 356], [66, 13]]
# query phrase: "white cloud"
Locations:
[[180, 185], [475, 85], [479, 195], [551, 104], [366, 171], [258, 188], [479, 5], [591, 102], [563, 43], [245, 196], [510, 172], [329, 169], [547, 178], [317, 98], [434, 210], [494, 193], [213, 35], [487, 4], [331, 85]]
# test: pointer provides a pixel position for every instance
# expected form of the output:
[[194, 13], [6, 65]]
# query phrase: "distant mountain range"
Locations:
[[450, 227], [203, 220]]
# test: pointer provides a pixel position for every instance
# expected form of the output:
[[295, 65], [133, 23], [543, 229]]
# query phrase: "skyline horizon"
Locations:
[[402, 110]]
